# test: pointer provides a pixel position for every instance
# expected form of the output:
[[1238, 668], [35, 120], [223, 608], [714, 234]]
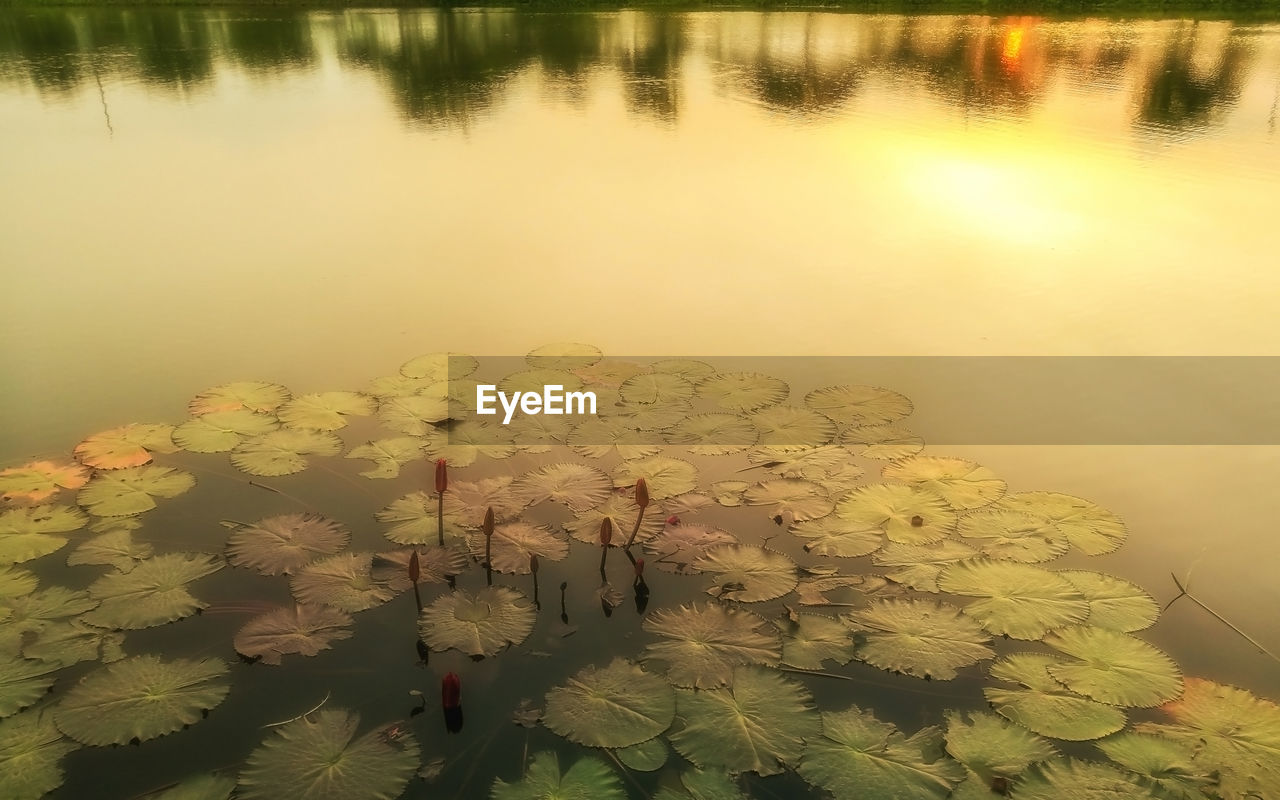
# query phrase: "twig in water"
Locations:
[[300, 716], [1183, 591]]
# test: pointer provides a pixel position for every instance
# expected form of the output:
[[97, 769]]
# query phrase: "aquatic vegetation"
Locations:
[[712, 485]]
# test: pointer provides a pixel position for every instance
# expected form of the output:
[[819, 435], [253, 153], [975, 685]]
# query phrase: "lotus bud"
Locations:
[[639, 567], [673, 520], [488, 522], [642, 494], [606, 531], [451, 691], [533, 563], [415, 569], [442, 476]]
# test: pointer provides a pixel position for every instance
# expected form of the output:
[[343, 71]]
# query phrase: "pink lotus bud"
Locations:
[[442, 476]]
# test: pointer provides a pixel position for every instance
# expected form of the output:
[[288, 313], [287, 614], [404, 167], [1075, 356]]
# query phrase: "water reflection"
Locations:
[[446, 68]]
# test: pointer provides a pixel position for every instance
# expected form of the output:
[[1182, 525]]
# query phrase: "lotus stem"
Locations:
[[533, 569], [606, 536], [488, 546]]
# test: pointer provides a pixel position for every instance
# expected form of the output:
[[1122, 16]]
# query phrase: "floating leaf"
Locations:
[[907, 514], [702, 644], [435, 563], [714, 434], [39, 481], [665, 477], [283, 452], [535, 381], [479, 624], [1044, 705], [600, 437], [325, 411], [859, 405], [31, 751], [588, 779], [467, 502], [205, 786], [810, 639], [67, 643], [609, 373], [564, 355], [703, 784], [414, 521], [126, 446], [140, 698], [1018, 600], [993, 748], [655, 387], [302, 629], [858, 756], [1165, 764], [128, 491], [1114, 603], [747, 573], [656, 417], [822, 590], [836, 536], [318, 757], [743, 391], [759, 724], [221, 431], [388, 455], [960, 482], [792, 497], [285, 543], [256, 396], [1014, 535], [1090, 528], [614, 706], [646, 756], [440, 366], [399, 386], [678, 546], [918, 566], [152, 593], [882, 442], [621, 511], [28, 533], [788, 425], [32, 613], [922, 638], [23, 682], [15, 582], [1114, 667], [347, 581], [690, 369], [576, 486], [468, 440], [416, 414], [791, 461], [513, 544], [1078, 780], [114, 548]]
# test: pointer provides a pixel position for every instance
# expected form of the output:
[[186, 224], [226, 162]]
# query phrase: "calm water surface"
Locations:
[[195, 197]]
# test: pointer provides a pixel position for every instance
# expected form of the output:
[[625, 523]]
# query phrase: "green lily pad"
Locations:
[[655, 388], [204, 786], [415, 414], [1079, 780], [882, 442], [810, 639], [513, 544], [701, 644], [67, 643], [1090, 528], [759, 724], [859, 405], [679, 546], [1162, 763], [576, 486], [791, 426], [992, 747], [646, 756], [347, 581], [714, 434], [258, 396], [325, 411], [907, 514], [747, 573], [1113, 602], [962, 483], [387, 455], [285, 543], [922, 638], [621, 511], [305, 630], [39, 481], [1114, 667], [794, 498], [858, 756], [837, 536], [133, 490], [152, 593], [413, 520], [1017, 600], [283, 452], [31, 751], [479, 624], [318, 757], [614, 706], [31, 613], [918, 566], [29, 533], [1014, 536], [23, 682], [15, 582], [126, 446], [1044, 705], [440, 366], [743, 391], [114, 548], [563, 355], [665, 476], [140, 698], [221, 431], [588, 779]]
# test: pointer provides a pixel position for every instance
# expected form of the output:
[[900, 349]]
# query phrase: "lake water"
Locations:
[[196, 197]]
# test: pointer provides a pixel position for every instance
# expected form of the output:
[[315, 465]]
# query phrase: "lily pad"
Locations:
[[140, 698], [743, 391], [347, 581], [467, 502], [836, 536], [1017, 600], [794, 498], [221, 431], [1044, 705], [114, 548], [15, 582], [701, 644], [152, 593], [1014, 536], [703, 784], [792, 461], [415, 414], [715, 434], [907, 514], [962, 483], [258, 396], [858, 756], [29, 533], [387, 455], [810, 639], [621, 510], [759, 724], [325, 411], [126, 446], [859, 405], [318, 757], [690, 369], [576, 486], [440, 366], [67, 643], [601, 437], [665, 476], [283, 452], [992, 747], [1165, 764], [466, 441], [513, 544], [1090, 528], [31, 751], [123, 492], [563, 355], [747, 573], [32, 613], [40, 481], [882, 442], [435, 564], [285, 543], [791, 426], [655, 388], [588, 779], [1114, 667], [202, 786], [922, 638], [1113, 602], [23, 682], [478, 624], [305, 630], [1079, 780], [614, 706], [918, 566], [680, 545], [413, 521], [534, 381]]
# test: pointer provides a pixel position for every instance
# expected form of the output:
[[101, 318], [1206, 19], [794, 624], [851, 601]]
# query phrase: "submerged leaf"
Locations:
[[614, 706], [747, 573], [960, 482], [152, 593], [922, 638], [283, 452], [1090, 528], [285, 543], [31, 751], [907, 514], [318, 757], [258, 396], [702, 644], [859, 405], [1018, 600], [1114, 667], [140, 698], [301, 629], [126, 446], [588, 779], [347, 581], [129, 491], [576, 486], [325, 411], [1046, 706], [479, 624], [759, 724]]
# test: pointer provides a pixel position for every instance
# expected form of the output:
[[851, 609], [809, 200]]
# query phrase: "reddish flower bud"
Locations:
[[442, 476], [642, 493], [415, 570], [488, 522], [606, 531], [533, 563], [451, 691], [673, 520], [639, 567]]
